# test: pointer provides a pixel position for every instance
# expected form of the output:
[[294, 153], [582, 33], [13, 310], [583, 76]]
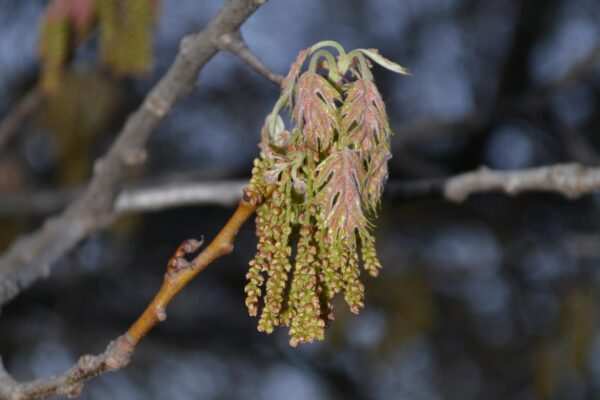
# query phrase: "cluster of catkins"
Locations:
[[321, 180]]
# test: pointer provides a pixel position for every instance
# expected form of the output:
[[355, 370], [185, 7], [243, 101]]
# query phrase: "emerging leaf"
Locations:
[[376, 177], [364, 117], [340, 178], [315, 110], [288, 83], [277, 164], [374, 55]]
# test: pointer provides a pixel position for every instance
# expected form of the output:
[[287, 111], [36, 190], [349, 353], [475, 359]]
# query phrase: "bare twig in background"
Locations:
[[119, 352], [235, 44], [579, 69], [32, 256], [139, 199], [571, 180], [177, 195], [13, 120], [154, 197]]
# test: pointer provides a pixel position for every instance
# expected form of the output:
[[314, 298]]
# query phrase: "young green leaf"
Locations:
[[384, 62]]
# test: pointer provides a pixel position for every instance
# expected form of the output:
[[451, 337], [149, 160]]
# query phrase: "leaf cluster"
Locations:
[[323, 179]]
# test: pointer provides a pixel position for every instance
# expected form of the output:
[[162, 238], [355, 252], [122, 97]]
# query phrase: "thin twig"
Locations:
[[579, 69], [235, 44], [32, 257], [119, 352], [571, 180], [153, 197], [224, 193], [13, 120]]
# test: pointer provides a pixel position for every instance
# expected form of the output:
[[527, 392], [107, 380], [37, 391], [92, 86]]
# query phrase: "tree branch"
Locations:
[[571, 180], [139, 199], [32, 256], [13, 120], [155, 196], [235, 44], [223, 193], [119, 352]]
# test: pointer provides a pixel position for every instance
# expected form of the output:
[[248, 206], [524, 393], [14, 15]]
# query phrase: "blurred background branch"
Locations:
[[149, 197], [32, 256], [18, 113]]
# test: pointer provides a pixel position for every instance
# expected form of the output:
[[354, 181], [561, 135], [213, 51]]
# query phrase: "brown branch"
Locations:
[[235, 44], [31, 257], [70, 383], [571, 180], [119, 352], [13, 120]]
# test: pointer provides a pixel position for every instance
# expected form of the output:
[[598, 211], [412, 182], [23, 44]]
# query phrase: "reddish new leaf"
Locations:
[[340, 178], [376, 177], [315, 110], [290, 79], [364, 118], [79, 12]]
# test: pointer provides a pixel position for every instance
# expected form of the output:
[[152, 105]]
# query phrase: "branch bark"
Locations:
[[153, 197], [13, 120], [119, 352], [570, 180], [235, 44], [31, 257]]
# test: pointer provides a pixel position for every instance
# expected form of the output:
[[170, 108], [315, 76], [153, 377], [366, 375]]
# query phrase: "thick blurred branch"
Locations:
[[235, 44], [32, 256], [119, 352]]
